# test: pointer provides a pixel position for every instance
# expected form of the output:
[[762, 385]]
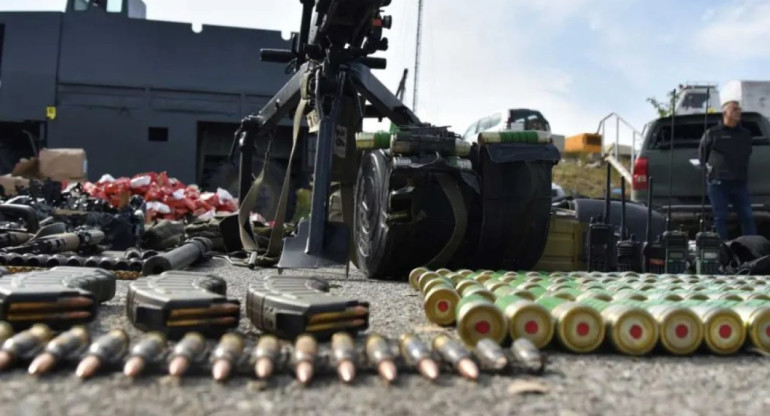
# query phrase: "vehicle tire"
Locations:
[[225, 176]]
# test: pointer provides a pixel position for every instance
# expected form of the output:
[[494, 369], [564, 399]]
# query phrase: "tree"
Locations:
[[664, 109]]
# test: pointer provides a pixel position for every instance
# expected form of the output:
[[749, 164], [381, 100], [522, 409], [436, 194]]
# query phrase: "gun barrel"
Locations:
[[188, 253]]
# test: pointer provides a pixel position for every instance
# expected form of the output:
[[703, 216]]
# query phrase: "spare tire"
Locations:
[[226, 176]]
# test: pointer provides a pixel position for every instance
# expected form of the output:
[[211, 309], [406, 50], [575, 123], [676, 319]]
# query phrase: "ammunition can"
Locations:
[[477, 318]]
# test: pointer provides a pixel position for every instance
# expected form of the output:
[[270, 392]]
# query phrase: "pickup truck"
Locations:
[[687, 185]]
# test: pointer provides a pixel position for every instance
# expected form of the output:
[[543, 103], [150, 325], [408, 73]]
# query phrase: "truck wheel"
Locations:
[[226, 177]]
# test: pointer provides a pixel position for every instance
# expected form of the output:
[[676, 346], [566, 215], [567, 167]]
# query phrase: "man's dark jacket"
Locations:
[[727, 151]]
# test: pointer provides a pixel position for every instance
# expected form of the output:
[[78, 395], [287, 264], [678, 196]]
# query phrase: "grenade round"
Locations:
[[479, 318], [414, 275], [440, 305], [524, 136], [527, 319], [370, 141], [681, 332], [757, 320], [724, 331], [579, 328]]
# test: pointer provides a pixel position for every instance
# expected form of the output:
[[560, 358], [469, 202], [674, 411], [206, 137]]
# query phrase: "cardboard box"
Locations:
[[10, 183], [63, 164]]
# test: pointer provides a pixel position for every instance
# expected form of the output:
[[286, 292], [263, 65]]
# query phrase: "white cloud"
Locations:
[[739, 31]]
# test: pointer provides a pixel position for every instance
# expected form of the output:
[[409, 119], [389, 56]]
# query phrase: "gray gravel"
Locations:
[[577, 385]]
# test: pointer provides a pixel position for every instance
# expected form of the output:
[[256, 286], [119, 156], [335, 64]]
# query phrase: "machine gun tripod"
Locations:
[[332, 82]]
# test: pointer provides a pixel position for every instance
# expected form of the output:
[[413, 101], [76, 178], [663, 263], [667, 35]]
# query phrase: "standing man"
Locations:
[[724, 151]]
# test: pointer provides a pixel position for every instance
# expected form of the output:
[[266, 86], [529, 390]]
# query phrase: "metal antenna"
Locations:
[[703, 165], [623, 233], [417, 56], [671, 159], [649, 209], [607, 195]]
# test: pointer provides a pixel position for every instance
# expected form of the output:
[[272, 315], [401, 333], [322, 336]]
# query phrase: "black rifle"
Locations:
[[44, 243]]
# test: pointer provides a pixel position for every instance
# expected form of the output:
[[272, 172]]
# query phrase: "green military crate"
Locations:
[[564, 248]]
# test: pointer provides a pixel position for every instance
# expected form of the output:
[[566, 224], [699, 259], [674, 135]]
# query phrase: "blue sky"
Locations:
[[575, 60]]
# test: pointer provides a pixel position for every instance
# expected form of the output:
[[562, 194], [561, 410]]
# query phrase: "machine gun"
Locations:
[[416, 191], [332, 82]]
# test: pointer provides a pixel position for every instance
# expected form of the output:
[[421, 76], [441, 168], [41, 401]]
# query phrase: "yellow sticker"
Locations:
[[50, 112]]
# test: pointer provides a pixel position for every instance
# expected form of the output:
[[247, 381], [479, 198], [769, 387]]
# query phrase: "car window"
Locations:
[[689, 131], [473, 129]]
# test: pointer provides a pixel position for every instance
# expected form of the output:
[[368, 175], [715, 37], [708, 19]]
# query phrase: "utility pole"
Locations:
[[417, 56]]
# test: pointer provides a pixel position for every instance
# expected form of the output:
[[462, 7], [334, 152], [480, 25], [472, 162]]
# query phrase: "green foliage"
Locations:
[[664, 109]]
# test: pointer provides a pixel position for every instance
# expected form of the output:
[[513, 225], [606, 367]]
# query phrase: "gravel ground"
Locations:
[[598, 384]]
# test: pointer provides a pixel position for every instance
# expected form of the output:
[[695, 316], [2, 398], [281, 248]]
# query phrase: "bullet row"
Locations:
[[304, 357], [627, 312]]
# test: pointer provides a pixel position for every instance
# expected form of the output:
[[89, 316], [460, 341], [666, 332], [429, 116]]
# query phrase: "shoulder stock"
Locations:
[[288, 306], [177, 302]]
